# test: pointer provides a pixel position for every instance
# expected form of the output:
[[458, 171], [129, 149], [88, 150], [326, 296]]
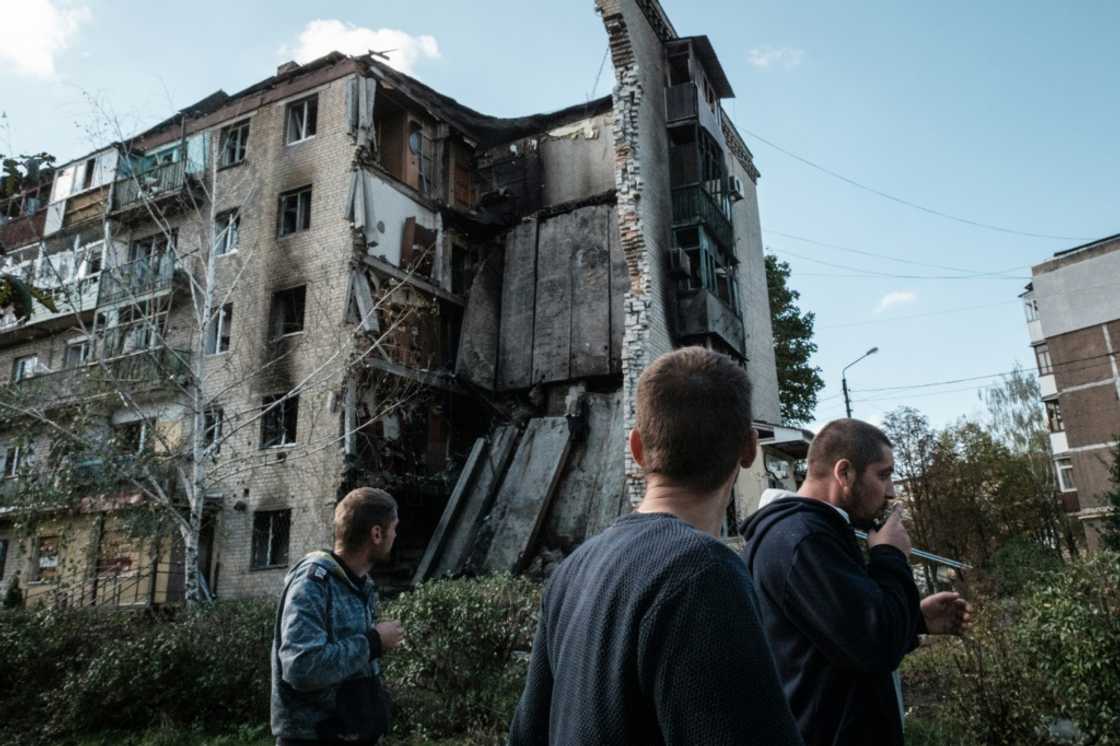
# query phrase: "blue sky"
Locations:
[[998, 116]]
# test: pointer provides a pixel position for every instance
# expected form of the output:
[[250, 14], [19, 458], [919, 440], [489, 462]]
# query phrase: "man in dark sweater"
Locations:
[[840, 626], [648, 632]]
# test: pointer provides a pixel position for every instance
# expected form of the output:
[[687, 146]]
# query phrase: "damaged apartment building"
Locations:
[[340, 277]]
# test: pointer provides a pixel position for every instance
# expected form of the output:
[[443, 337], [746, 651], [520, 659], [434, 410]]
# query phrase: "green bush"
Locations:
[[1052, 653], [463, 665], [91, 671], [1020, 564]]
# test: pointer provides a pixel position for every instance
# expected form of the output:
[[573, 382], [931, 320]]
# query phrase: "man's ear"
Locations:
[[844, 473], [750, 450], [636, 448], [377, 534]]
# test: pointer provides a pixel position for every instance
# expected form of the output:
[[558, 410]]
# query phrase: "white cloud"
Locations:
[[767, 57], [34, 32], [894, 298], [321, 36]]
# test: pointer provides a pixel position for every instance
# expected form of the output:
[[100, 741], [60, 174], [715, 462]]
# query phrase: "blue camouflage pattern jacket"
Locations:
[[326, 672]]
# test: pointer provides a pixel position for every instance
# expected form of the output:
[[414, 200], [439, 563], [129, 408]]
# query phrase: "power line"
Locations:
[[888, 257], [908, 203], [874, 273], [919, 315]]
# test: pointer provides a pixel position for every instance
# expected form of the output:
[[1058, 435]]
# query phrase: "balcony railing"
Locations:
[[137, 279], [693, 204], [144, 370], [159, 181], [72, 298]]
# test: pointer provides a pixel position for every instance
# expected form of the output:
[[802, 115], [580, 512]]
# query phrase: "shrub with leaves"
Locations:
[[462, 667]]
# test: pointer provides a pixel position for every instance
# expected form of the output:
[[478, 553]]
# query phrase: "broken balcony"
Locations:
[[144, 371], [155, 184], [694, 205], [707, 289], [137, 280], [72, 298]]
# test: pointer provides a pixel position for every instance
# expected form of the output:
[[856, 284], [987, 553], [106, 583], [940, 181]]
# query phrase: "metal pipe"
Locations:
[[921, 554]]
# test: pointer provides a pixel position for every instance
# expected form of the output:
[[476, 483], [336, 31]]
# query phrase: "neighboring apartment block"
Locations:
[[1073, 318], [340, 276]]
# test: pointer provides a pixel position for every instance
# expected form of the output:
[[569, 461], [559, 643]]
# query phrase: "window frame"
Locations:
[[87, 352], [264, 556], [219, 328], [229, 238], [241, 131], [1030, 308], [213, 421], [53, 541], [5, 543], [302, 211], [1062, 466], [1054, 422], [305, 105], [283, 415], [19, 372], [275, 323], [14, 457], [1042, 352]]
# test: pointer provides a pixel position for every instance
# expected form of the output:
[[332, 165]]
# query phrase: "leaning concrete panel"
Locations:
[[526, 492], [475, 502], [478, 347], [590, 268], [558, 240], [515, 346], [590, 495]]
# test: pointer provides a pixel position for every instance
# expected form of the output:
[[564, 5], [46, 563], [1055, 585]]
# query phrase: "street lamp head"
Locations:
[[873, 350]]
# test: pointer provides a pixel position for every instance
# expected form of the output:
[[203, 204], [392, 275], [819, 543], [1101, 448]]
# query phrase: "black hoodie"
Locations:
[[838, 625]]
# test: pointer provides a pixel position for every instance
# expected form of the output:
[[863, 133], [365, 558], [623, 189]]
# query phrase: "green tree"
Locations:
[[798, 380]]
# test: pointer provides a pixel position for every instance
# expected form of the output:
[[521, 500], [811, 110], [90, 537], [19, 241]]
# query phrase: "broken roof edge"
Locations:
[[1085, 251], [486, 129], [710, 60]]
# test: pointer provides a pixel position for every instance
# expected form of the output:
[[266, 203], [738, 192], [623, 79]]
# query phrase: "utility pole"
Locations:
[[844, 379]]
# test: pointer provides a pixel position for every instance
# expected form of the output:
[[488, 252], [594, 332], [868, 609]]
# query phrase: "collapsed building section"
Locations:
[[402, 292]]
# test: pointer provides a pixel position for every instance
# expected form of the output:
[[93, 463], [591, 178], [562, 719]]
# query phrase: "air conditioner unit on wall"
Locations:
[[735, 188]]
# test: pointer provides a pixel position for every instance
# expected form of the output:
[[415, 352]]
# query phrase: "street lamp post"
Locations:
[[844, 379]]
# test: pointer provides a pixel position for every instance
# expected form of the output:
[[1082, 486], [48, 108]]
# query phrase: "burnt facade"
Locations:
[[340, 276]]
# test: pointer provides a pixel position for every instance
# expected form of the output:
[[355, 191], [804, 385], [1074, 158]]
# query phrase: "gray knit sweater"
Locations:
[[649, 635]]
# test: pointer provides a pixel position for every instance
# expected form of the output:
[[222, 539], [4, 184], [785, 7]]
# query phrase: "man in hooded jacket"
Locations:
[[839, 625]]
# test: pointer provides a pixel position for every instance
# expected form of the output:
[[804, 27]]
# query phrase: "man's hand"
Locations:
[[391, 634], [946, 613], [892, 532]]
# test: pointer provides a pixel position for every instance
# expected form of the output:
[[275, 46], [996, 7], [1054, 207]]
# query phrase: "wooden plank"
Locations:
[[526, 493], [415, 280], [477, 359], [591, 295], [620, 284], [515, 341], [552, 329], [477, 501], [450, 511]]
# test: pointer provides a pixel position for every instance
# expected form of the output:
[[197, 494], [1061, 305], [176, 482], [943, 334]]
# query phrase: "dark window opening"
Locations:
[[1054, 417], [76, 355], [295, 211], [3, 555], [287, 311], [278, 422], [678, 69], [220, 330], [46, 559], [212, 429], [271, 529], [87, 173], [131, 437], [227, 226]]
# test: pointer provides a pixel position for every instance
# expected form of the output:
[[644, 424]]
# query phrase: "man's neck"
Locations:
[[356, 562], [817, 490], [703, 511]]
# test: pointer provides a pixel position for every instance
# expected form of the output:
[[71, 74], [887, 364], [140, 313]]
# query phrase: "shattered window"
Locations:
[[271, 529], [13, 459], [212, 429], [218, 335], [235, 143], [227, 227], [287, 311], [295, 211], [3, 555], [302, 119], [278, 421]]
